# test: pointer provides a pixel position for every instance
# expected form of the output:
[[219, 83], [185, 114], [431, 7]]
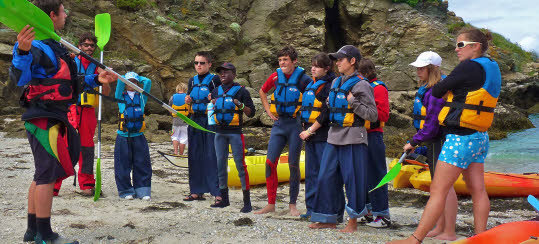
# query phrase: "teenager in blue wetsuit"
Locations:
[[289, 82], [314, 117], [351, 102], [51, 83], [471, 92], [131, 151], [201, 154], [231, 101], [426, 111]]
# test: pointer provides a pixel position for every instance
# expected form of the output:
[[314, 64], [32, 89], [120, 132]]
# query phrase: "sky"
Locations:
[[516, 20]]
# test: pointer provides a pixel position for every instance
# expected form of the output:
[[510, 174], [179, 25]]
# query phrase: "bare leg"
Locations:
[[176, 145], [444, 178], [475, 182], [267, 209], [439, 228], [43, 200], [351, 227], [293, 210], [182, 148], [322, 226], [31, 198], [449, 217]]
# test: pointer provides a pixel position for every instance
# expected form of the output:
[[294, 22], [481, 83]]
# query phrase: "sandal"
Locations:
[[190, 198]]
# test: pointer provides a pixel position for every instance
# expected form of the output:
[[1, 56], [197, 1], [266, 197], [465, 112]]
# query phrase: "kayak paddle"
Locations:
[[16, 14], [102, 32], [392, 173]]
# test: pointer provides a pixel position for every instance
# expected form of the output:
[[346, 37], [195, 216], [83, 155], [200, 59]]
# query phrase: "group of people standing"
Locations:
[[339, 115]]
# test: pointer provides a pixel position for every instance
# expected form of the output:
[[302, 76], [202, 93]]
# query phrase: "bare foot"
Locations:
[[433, 233], [446, 237], [322, 226], [293, 210], [267, 209], [409, 240], [351, 227]]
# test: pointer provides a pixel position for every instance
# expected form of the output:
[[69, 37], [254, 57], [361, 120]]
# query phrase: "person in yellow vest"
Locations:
[[179, 127], [82, 116], [471, 92]]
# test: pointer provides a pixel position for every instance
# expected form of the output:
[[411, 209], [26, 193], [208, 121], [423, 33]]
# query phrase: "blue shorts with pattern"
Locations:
[[460, 151]]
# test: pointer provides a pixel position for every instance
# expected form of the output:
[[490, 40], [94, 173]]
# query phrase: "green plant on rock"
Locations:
[[133, 5], [413, 3], [518, 55]]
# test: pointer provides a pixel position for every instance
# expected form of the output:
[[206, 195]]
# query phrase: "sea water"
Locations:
[[518, 153]]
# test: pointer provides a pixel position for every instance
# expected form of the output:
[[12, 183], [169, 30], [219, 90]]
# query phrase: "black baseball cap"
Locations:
[[227, 66], [347, 51]]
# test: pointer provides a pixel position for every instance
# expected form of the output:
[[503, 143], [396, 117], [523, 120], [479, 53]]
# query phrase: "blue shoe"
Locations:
[[54, 239]]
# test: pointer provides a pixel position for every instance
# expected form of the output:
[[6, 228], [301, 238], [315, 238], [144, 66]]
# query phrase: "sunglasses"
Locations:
[[464, 43], [87, 44], [201, 63]]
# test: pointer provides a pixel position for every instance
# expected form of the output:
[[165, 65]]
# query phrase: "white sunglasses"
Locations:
[[464, 43]]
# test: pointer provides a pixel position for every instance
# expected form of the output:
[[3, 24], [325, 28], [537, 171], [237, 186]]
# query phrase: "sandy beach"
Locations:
[[168, 219]]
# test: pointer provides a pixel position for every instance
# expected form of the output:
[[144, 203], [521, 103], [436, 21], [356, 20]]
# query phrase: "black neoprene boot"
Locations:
[[246, 202], [224, 202]]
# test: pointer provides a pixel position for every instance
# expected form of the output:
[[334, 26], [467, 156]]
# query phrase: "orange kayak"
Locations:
[[497, 184], [514, 232]]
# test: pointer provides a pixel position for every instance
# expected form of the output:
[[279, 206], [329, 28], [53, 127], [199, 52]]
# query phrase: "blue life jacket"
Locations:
[[178, 104], [226, 113], [88, 97], [340, 112], [420, 110], [199, 94], [132, 119], [310, 106], [286, 99], [90, 70]]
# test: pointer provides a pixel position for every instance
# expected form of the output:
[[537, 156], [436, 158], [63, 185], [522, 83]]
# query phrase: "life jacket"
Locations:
[[377, 124], [420, 111], [476, 109], [132, 119], [340, 112], [178, 104], [58, 91], [286, 99], [310, 106], [87, 98], [226, 113], [199, 94]]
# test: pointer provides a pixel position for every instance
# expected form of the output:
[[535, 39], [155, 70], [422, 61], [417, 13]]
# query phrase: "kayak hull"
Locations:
[[514, 232]]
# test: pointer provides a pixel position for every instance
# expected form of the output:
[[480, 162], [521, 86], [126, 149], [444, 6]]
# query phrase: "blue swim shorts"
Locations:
[[460, 151]]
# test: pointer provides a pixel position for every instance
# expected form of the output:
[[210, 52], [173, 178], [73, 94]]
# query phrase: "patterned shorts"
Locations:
[[460, 151]]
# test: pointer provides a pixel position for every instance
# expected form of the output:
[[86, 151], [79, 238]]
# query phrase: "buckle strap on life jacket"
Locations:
[[419, 117], [479, 108]]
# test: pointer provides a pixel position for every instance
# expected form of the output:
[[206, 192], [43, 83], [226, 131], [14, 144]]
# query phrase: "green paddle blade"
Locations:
[[97, 191], [392, 173], [102, 29], [192, 123], [16, 14]]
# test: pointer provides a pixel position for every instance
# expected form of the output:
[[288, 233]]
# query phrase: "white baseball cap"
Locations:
[[132, 75], [426, 58]]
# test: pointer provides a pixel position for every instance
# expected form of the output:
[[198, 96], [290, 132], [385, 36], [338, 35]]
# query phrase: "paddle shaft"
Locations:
[[124, 80], [99, 117]]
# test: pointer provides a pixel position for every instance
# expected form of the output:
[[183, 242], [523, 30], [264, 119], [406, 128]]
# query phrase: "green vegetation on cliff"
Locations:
[[413, 3]]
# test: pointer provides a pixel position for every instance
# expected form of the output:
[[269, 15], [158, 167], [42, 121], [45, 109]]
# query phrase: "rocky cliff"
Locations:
[[158, 39]]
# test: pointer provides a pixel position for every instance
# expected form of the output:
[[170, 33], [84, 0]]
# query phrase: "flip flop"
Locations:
[[191, 198]]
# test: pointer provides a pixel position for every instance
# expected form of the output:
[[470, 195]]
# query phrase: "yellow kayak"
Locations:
[[256, 168], [402, 180]]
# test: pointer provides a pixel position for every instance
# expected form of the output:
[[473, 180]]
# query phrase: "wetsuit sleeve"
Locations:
[[189, 85], [468, 75], [270, 83], [431, 127], [245, 98], [216, 82], [304, 82], [170, 100], [92, 80], [21, 66], [363, 103], [381, 98], [214, 93]]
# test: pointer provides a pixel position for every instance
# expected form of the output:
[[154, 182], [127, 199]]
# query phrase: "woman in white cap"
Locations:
[[425, 114]]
